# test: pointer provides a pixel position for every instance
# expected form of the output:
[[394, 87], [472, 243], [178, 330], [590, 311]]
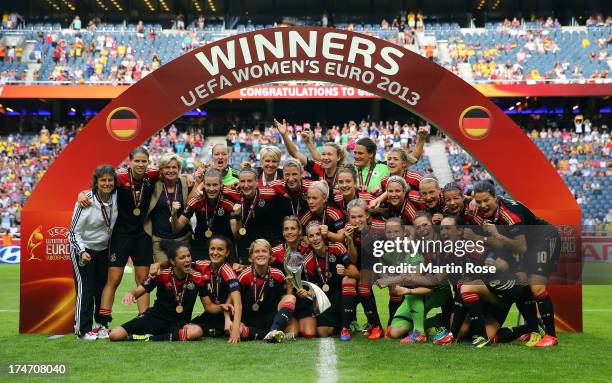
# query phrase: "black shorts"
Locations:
[[543, 253], [303, 308], [332, 317], [507, 291], [212, 324], [261, 320], [499, 312], [150, 324], [137, 246]]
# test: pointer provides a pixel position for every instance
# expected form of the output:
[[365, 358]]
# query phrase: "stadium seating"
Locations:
[[495, 45]]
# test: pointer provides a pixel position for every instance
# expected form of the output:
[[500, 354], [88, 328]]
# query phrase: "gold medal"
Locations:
[[242, 231], [136, 212], [208, 233], [179, 309], [325, 287], [110, 231], [255, 307]]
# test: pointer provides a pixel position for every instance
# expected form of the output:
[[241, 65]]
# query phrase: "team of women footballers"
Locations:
[[223, 235]]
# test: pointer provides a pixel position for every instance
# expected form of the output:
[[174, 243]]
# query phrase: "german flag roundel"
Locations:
[[123, 124], [475, 122]]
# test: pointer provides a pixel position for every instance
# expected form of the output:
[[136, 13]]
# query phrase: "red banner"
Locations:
[[273, 55], [303, 91]]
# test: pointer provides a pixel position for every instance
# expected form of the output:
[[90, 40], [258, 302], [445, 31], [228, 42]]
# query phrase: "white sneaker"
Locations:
[[290, 336], [92, 335], [103, 332], [274, 336]]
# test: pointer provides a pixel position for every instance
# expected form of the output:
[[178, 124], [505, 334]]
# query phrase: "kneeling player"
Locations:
[[268, 303], [303, 321], [223, 287], [541, 249], [325, 266], [420, 298]]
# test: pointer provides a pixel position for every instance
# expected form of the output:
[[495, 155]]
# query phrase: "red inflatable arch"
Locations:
[[320, 54]]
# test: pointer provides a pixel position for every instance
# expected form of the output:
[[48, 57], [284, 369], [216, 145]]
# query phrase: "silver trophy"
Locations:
[[294, 264]]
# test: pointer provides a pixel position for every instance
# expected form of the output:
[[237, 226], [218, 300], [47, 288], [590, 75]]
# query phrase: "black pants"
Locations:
[[89, 281]]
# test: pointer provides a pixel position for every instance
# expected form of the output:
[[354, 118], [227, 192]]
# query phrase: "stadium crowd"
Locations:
[[512, 50]]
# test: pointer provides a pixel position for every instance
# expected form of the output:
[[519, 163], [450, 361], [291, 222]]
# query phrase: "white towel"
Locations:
[[321, 302]]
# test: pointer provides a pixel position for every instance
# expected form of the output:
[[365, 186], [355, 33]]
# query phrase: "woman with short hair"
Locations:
[[90, 233]]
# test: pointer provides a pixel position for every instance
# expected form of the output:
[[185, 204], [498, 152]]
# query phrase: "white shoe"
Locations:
[[103, 332], [274, 336], [290, 336], [92, 335]]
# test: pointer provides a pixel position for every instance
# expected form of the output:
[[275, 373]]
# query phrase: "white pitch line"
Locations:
[[327, 366]]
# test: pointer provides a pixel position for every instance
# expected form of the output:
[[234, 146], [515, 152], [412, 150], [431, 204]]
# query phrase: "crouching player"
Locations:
[[326, 266], [177, 290], [538, 244], [268, 303]]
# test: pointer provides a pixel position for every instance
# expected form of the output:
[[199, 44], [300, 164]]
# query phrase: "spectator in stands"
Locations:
[[7, 238], [589, 225], [180, 22], [140, 28], [76, 23], [200, 23], [10, 54]]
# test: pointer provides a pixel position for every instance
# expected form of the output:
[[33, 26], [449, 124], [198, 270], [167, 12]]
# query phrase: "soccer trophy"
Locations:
[[294, 264]]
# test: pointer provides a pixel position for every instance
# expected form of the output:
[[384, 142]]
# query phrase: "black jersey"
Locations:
[[130, 191], [169, 287], [332, 217], [261, 218], [322, 270], [266, 291], [215, 215], [220, 282]]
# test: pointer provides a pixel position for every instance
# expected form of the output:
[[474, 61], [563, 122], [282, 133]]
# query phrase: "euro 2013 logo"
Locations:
[[57, 246], [35, 240]]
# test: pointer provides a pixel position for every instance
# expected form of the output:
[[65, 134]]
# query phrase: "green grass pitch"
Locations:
[[578, 358]]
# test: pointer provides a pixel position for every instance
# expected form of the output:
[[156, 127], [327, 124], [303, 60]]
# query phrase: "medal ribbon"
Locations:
[[245, 220], [322, 275], [138, 200], [364, 187], [264, 182], [215, 279], [209, 222], [105, 214], [333, 183], [178, 297], [174, 197], [258, 297]]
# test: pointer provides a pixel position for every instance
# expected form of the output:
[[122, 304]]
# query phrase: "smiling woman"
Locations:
[[89, 237], [167, 203]]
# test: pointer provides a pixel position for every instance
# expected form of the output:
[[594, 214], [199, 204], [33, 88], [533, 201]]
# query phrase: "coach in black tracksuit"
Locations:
[[90, 232]]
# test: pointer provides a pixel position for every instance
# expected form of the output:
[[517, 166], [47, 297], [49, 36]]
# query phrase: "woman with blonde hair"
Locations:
[[332, 220], [167, 204], [270, 158], [266, 297]]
